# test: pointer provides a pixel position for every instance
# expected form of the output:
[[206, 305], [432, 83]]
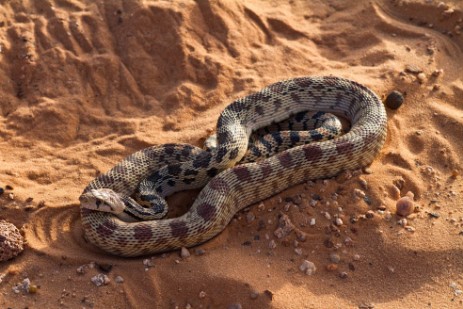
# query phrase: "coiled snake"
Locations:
[[106, 201]]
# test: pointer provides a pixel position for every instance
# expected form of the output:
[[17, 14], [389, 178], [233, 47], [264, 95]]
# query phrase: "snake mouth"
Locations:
[[84, 199]]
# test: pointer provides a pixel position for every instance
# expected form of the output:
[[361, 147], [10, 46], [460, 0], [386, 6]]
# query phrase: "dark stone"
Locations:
[[394, 100]]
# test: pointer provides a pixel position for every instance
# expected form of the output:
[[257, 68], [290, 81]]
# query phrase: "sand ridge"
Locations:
[[85, 83]]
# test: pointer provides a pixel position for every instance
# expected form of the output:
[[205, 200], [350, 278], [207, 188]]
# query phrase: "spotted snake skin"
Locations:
[[234, 187]]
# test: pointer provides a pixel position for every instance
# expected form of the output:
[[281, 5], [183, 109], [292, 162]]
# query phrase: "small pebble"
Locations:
[[339, 222], [32, 289], [348, 242], [370, 214], [202, 294], [331, 267], [359, 193], [1, 190], [119, 279], [421, 78], [81, 269], [298, 251], [254, 295], [405, 206], [11, 196], [147, 263], [394, 100], [199, 251], [312, 222], [343, 275], [335, 258], [307, 267], [184, 253], [437, 72], [356, 257], [100, 279], [409, 228], [402, 222], [412, 69], [25, 286]]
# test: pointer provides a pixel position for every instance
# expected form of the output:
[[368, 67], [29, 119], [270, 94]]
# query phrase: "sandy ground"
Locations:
[[85, 83]]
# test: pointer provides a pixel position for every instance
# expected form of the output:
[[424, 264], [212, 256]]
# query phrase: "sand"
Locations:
[[86, 83]]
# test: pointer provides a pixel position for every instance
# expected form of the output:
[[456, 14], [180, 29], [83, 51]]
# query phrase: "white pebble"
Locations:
[[339, 222], [298, 251], [359, 193], [119, 279], [147, 263], [307, 267], [402, 222], [184, 253], [421, 77], [100, 279], [202, 294], [312, 221]]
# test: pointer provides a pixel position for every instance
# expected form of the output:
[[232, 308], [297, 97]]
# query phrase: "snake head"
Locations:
[[102, 200]]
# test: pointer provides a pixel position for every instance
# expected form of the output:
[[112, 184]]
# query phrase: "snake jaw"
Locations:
[[102, 200]]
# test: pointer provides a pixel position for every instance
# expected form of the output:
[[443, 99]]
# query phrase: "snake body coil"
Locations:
[[233, 187]]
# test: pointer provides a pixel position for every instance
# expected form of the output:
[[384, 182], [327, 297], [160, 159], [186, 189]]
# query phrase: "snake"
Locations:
[[228, 186]]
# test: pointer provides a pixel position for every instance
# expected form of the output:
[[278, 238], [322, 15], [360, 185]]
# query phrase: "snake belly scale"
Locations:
[[234, 187]]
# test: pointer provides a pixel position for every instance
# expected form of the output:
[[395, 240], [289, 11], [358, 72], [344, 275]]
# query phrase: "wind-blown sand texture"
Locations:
[[86, 83]]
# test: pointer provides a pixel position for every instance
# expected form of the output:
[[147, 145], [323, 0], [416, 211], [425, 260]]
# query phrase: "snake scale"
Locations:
[[228, 188]]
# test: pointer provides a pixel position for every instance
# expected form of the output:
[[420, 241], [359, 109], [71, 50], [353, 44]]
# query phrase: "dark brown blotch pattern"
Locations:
[[219, 185], [242, 173], [344, 147], [206, 211], [312, 152], [285, 159], [142, 232], [179, 229], [106, 228]]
